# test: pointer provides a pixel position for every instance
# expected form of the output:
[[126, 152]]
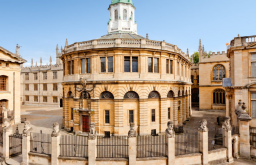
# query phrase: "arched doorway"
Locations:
[[195, 98]]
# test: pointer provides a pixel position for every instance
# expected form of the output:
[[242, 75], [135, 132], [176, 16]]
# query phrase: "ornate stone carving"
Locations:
[[27, 128], [6, 124], [169, 131], [203, 126], [226, 125], [132, 131], [92, 133], [56, 129], [83, 83]]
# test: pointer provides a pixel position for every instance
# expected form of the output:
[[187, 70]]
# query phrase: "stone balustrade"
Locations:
[[242, 41]]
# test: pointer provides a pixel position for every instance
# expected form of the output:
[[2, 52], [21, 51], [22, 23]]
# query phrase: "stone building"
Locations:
[[129, 79], [41, 85], [207, 76], [10, 84], [242, 54]]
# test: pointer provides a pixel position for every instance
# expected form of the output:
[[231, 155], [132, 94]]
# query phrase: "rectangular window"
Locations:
[[3, 81], [110, 64], [131, 116], [73, 67], [82, 65], [253, 65], [26, 76], [153, 115], [45, 75], [35, 76], [69, 67], [45, 87], [45, 99], [127, 64], [88, 60], [134, 64], [54, 99], [72, 115], [150, 64], [167, 66], [171, 72], [55, 87], [103, 64], [55, 75], [35, 87], [253, 102], [27, 98], [106, 116], [35, 98], [27, 87], [169, 113], [156, 65]]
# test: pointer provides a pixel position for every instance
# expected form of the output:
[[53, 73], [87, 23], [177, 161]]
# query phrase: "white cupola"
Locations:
[[121, 17]]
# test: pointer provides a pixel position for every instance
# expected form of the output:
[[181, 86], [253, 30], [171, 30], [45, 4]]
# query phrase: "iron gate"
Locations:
[[15, 141]]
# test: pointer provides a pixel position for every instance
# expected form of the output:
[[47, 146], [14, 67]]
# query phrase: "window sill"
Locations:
[[217, 81], [5, 91]]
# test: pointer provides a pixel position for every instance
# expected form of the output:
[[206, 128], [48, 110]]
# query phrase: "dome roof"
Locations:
[[121, 1], [122, 36]]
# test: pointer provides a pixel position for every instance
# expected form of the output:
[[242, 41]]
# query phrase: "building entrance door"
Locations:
[[86, 127]]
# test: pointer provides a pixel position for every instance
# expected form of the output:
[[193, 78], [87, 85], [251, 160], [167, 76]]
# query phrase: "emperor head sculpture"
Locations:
[[203, 126], [169, 131], [132, 131]]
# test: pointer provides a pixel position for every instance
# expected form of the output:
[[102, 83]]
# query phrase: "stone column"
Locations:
[[180, 111], [55, 144], [119, 116], [163, 114], [175, 110], [143, 117], [203, 143], [227, 106], [7, 131], [170, 140], [26, 143], [132, 145], [92, 151], [65, 112], [227, 139], [244, 139]]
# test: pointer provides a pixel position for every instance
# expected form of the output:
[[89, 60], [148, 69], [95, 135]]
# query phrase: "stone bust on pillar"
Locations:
[[169, 131], [56, 129], [226, 125], [132, 131], [6, 124], [27, 128], [203, 126], [92, 134]]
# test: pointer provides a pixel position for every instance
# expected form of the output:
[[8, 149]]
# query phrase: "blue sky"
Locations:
[[38, 25]]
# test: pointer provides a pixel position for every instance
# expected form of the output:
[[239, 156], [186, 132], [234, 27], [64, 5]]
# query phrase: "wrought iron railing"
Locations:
[[151, 146], [186, 143], [40, 143], [74, 146], [112, 147]]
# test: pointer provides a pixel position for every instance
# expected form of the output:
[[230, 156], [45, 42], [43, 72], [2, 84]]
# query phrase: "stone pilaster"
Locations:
[[163, 114], [119, 116], [95, 117], [143, 123], [175, 109]]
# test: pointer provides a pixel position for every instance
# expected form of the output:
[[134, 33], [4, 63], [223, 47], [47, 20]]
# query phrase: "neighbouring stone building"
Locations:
[[129, 79], [10, 67], [41, 85], [242, 54], [207, 78]]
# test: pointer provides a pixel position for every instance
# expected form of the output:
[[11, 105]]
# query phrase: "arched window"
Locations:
[[70, 95], [3, 81], [218, 72], [106, 95], [116, 15], [154, 94], [170, 94], [85, 95], [219, 96], [131, 95], [125, 14]]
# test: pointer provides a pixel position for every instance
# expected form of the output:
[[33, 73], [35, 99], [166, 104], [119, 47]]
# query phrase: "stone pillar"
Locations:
[[143, 130], [170, 140], [163, 114], [92, 151], [7, 131], [203, 143], [227, 106], [26, 143], [55, 144], [95, 116], [175, 110], [119, 116], [227, 139], [132, 144], [76, 115]]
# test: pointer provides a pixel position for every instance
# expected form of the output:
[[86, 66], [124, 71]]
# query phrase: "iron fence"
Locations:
[[235, 130], [73, 146], [215, 139], [1, 137], [113, 147], [253, 136], [151, 146], [40, 143], [15, 144], [1, 118], [186, 143]]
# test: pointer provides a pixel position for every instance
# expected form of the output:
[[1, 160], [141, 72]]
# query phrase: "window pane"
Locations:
[[253, 95], [213, 74], [254, 109], [253, 57], [127, 64], [131, 116], [73, 67], [253, 69], [150, 67], [103, 64], [156, 70], [116, 15], [167, 66], [223, 73], [153, 115], [170, 66], [169, 113], [88, 65], [134, 64], [83, 65], [107, 116], [125, 14], [110, 64]]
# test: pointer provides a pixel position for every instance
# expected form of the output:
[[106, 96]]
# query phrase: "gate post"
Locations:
[[132, 145], [203, 143], [92, 141], [227, 140], [170, 140], [7, 131], [26, 142], [55, 144]]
